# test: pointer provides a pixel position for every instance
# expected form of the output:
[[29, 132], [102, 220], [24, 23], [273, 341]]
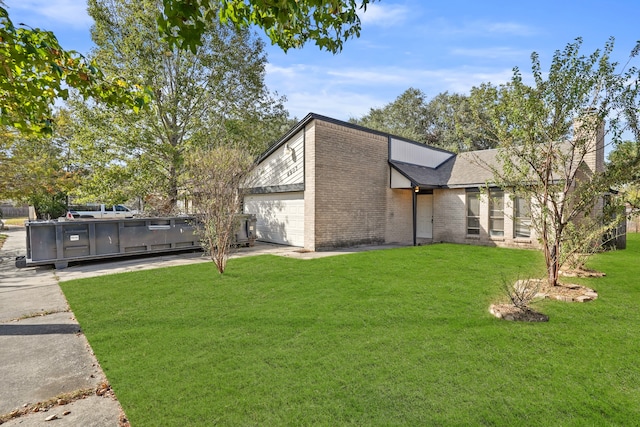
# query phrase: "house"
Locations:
[[329, 184]]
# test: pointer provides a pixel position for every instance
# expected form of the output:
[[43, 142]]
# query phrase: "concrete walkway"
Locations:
[[45, 359]]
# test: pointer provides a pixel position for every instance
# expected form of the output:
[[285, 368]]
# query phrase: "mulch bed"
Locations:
[[561, 292]]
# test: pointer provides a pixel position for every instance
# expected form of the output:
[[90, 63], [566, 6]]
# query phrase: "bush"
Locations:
[[522, 292]]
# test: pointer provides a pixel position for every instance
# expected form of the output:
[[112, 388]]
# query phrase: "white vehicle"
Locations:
[[100, 211]]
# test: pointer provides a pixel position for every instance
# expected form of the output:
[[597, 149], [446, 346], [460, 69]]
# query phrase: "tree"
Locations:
[[446, 121], [216, 93], [288, 23], [407, 116], [452, 124], [216, 175], [36, 170], [36, 71], [624, 171], [547, 134]]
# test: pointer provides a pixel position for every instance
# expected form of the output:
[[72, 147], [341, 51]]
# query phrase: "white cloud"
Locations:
[[367, 76], [384, 15], [49, 13], [481, 28], [511, 28], [351, 92], [339, 105], [492, 52], [293, 72]]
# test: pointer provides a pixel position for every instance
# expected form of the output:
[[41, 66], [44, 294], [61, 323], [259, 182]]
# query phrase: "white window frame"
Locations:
[[472, 196], [519, 220], [496, 213]]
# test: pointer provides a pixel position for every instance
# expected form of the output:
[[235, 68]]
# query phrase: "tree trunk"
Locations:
[[553, 265], [172, 202]]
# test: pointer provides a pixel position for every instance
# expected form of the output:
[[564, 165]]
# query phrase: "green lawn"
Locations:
[[394, 337], [14, 221]]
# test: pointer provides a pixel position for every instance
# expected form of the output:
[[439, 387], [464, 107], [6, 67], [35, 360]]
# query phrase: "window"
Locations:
[[522, 218], [473, 212], [496, 213]]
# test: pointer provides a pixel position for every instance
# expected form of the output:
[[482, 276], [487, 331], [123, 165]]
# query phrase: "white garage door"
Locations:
[[280, 217]]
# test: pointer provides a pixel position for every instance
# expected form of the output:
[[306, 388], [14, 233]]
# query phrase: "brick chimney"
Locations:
[[591, 128]]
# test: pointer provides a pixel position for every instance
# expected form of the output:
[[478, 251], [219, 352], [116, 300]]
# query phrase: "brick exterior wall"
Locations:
[[399, 223], [309, 186], [594, 155], [449, 218], [450, 221], [351, 185], [348, 200]]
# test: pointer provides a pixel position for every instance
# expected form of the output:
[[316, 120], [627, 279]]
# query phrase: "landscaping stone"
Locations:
[[562, 292], [513, 313]]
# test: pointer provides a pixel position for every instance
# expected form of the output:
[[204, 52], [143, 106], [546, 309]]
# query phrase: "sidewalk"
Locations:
[[44, 357]]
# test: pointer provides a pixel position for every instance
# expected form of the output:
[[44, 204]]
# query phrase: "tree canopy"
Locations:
[[288, 23], [445, 121], [36, 168], [550, 135], [214, 96], [36, 71], [623, 169]]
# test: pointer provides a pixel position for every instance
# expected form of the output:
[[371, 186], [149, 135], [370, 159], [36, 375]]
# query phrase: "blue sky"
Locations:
[[434, 46]]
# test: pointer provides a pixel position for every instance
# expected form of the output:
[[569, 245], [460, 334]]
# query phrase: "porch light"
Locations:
[[417, 189]]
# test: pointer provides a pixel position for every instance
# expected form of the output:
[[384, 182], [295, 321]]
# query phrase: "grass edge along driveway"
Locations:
[[393, 337]]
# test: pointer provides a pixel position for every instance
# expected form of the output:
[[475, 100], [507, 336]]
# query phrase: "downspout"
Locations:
[[415, 214]]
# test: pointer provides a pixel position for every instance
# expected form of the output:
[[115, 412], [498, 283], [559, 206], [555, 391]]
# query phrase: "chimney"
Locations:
[[589, 139]]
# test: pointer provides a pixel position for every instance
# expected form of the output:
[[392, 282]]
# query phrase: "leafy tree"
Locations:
[[216, 175], [446, 121], [215, 93], [36, 170], [453, 124], [36, 71], [546, 134], [407, 116], [624, 172], [288, 23]]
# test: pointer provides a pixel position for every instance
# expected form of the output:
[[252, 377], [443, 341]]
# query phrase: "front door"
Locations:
[[424, 216]]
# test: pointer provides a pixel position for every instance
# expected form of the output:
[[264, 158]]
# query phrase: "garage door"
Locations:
[[280, 217]]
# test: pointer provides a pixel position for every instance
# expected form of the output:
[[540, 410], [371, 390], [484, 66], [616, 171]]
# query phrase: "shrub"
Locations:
[[522, 292]]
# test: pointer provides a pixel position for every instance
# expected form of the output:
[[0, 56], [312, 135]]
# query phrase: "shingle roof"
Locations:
[[467, 169]]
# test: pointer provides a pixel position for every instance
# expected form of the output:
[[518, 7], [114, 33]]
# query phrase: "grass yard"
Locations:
[[394, 337], [14, 221]]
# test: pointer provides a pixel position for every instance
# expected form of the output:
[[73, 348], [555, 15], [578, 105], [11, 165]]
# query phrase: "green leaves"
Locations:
[[36, 71], [446, 121], [552, 137], [36, 168], [215, 96], [288, 23]]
